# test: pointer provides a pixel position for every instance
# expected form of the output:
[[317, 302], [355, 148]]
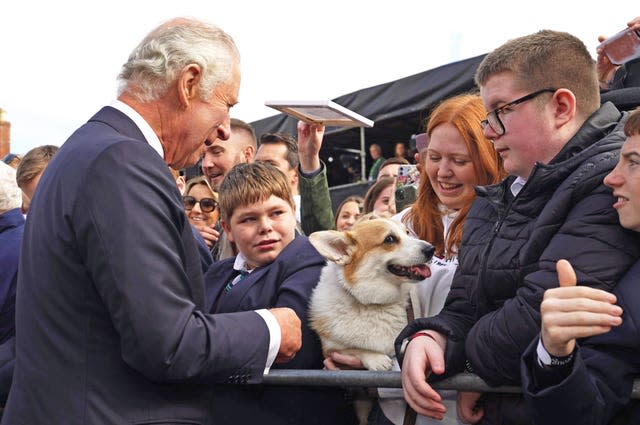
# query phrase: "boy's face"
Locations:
[[528, 129], [624, 179], [261, 230]]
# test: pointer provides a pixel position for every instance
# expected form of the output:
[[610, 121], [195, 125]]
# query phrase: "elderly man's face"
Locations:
[[201, 121]]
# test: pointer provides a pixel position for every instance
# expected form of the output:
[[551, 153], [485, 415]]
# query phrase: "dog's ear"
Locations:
[[333, 245]]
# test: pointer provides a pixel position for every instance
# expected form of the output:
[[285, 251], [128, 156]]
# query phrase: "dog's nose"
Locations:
[[427, 250]]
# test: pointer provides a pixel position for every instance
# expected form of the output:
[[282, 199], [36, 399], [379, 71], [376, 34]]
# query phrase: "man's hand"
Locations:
[[469, 411], [423, 356], [208, 233], [339, 361], [291, 333], [309, 144], [571, 312]]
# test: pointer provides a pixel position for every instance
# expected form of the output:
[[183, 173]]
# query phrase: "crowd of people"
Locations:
[[131, 295]]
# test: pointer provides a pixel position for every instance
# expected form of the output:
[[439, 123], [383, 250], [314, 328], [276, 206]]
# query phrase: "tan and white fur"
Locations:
[[359, 305]]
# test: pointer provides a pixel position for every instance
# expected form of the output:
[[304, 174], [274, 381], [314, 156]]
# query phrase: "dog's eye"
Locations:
[[390, 239]]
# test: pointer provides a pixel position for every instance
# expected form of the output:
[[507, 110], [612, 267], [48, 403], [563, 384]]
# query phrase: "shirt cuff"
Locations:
[[312, 174], [274, 336], [542, 355]]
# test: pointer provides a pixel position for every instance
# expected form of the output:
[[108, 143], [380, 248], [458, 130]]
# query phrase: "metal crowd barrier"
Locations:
[[365, 378]]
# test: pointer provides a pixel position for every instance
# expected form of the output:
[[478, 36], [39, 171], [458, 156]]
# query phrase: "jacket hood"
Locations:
[[11, 219], [605, 126]]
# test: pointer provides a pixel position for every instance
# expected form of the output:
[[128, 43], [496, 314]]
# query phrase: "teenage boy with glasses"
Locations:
[[493, 117], [557, 145]]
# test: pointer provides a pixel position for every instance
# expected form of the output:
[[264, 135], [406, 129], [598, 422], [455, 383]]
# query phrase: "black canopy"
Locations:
[[398, 109]]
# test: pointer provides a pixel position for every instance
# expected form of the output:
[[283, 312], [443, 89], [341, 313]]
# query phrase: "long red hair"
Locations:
[[425, 216]]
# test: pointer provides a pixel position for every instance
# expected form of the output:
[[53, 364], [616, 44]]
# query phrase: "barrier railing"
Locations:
[[365, 378]]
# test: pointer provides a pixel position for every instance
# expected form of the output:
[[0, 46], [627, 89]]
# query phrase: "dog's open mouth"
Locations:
[[415, 272]]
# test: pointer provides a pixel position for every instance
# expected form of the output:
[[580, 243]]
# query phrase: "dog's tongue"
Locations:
[[422, 270]]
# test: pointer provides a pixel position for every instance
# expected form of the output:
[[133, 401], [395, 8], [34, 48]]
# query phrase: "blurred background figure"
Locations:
[[180, 180], [390, 167], [281, 150], [201, 206], [221, 155], [348, 212], [400, 150], [350, 163], [30, 169], [376, 155], [11, 230], [204, 249], [380, 197], [12, 160]]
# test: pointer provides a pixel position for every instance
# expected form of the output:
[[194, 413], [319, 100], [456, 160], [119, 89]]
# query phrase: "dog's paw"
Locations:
[[376, 361]]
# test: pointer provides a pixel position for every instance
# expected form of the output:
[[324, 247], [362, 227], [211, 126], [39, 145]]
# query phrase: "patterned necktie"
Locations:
[[241, 275]]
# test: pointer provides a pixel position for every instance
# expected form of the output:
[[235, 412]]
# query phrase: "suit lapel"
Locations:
[[215, 281], [232, 300], [124, 125]]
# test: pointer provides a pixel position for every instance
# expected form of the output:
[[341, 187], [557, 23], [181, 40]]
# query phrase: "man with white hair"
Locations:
[[110, 327]]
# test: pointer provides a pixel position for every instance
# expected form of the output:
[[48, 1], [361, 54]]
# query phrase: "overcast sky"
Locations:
[[59, 59]]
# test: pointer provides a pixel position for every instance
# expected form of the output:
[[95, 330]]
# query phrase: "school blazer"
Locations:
[[287, 282]]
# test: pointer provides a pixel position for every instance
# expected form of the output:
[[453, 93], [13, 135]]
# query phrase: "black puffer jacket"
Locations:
[[510, 247]]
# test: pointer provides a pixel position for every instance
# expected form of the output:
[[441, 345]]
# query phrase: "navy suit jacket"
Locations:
[[287, 282], [110, 323], [11, 230]]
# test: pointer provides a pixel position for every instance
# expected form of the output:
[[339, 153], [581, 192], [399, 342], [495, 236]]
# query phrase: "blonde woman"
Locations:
[[201, 205]]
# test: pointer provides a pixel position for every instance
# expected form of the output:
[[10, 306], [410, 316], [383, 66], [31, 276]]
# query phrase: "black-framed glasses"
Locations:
[[493, 117], [206, 204]]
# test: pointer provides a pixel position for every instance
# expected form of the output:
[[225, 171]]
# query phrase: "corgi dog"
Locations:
[[359, 305]]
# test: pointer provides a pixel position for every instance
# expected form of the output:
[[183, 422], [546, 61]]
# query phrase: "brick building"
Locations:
[[5, 135]]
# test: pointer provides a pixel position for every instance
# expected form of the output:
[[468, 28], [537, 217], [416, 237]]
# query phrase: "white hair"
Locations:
[[157, 61], [10, 193]]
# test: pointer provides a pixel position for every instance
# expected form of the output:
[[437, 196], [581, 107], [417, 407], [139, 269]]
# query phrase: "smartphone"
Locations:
[[405, 196], [422, 140], [407, 186], [408, 174], [622, 47]]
